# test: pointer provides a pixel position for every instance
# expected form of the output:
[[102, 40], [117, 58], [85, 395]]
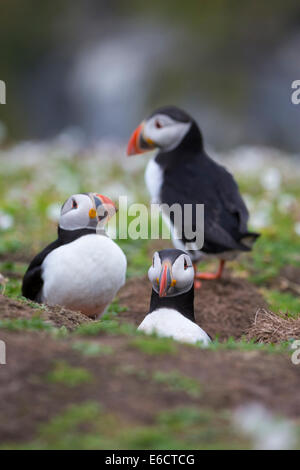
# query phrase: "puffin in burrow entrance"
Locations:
[[171, 312], [181, 172], [83, 269]]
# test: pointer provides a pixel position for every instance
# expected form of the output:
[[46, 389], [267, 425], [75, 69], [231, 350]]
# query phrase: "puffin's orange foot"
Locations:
[[207, 276], [197, 284], [210, 276]]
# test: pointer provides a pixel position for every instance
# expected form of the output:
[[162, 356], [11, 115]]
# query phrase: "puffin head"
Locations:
[[86, 211], [171, 273], [165, 129]]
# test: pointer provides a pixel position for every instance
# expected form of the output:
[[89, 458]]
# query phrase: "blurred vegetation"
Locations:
[[181, 428]]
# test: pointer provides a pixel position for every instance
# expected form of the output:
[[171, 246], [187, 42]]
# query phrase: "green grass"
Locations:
[[154, 346], [282, 302], [176, 382], [87, 426], [243, 345], [13, 288], [69, 376], [24, 324], [114, 309], [110, 327], [173, 380], [90, 349]]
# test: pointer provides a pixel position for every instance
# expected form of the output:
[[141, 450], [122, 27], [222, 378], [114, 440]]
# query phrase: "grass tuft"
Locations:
[[90, 349], [21, 324], [69, 376], [154, 346], [175, 381]]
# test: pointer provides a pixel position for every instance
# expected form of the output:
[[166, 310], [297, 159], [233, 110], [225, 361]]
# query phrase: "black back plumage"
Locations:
[[33, 281], [190, 176]]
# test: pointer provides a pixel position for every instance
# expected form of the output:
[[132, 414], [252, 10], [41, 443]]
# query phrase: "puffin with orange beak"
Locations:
[[83, 269], [171, 311], [182, 173]]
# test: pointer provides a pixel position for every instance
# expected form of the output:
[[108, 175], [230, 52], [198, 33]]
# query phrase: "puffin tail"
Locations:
[[248, 240]]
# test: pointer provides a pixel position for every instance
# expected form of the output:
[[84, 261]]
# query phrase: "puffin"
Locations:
[[171, 312], [83, 268], [182, 172]]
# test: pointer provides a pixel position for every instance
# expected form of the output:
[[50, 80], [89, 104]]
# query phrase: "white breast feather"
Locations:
[[84, 275], [154, 180], [167, 322]]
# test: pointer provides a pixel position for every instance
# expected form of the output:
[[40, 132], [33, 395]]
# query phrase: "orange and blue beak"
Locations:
[[138, 143], [103, 207], [165, 280]]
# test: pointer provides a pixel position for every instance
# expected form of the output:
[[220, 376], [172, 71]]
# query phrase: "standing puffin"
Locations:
[[171, 311], [83, 269], [181, 172]]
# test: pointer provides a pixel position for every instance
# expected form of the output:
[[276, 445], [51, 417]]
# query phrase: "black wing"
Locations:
[[203, 181], [32, 281]]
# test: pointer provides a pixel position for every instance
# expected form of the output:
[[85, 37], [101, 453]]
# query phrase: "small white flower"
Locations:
[[297, 228], [260, 218], [271, 179], [3, 280], [266, 431], [249, 201], [6, 221], [53, 211], [286, 202]]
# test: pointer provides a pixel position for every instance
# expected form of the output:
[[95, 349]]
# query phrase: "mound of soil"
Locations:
[[224, 308], [11, 309], [227, 379], [59, 316], [56, 316]]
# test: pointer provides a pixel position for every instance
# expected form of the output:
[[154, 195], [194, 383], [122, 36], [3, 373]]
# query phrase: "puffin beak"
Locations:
[[165, 279], [138, 143], [104, 207]]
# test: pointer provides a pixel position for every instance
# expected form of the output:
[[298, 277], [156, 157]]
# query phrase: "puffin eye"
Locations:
[[185, 264], [158, 124], [101, 217], [74, 204]]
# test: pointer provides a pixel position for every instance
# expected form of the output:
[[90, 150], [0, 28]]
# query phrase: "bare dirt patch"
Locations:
[[225, 307]]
